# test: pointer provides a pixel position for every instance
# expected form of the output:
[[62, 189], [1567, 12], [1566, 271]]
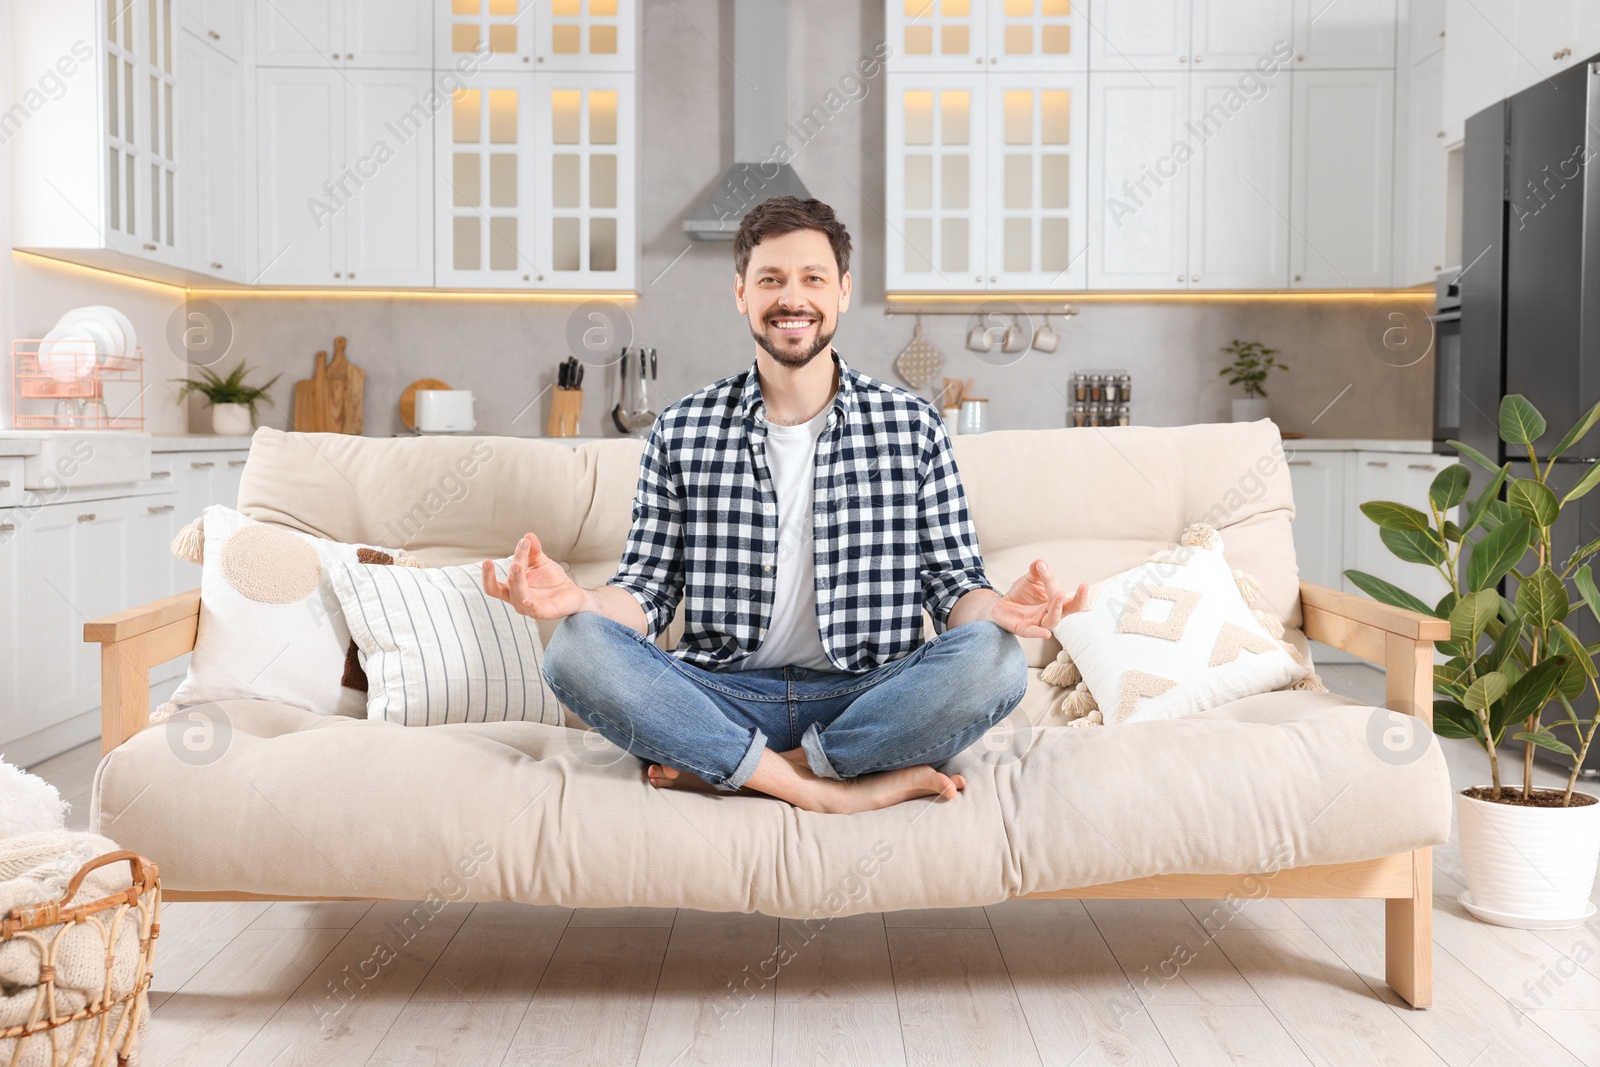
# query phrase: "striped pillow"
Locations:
[[437, 649]]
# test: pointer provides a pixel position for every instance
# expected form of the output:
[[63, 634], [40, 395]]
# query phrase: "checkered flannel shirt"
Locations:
[[891, 533]]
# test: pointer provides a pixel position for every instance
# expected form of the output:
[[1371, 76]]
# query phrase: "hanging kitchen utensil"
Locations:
[[920, 360], [619, 414]]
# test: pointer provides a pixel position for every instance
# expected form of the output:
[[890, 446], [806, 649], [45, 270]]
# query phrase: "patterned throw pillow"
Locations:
[[436, 648], [270, 625], [1173, 636]]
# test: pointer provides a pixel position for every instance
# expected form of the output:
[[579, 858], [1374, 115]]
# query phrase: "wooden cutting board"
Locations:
[[330, 400]]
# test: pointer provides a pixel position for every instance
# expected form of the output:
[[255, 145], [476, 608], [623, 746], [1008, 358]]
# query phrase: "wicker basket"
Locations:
[[107, 1030]]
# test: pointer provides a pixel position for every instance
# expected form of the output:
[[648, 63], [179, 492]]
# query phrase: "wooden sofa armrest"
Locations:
[[131, 642], [1398, 639]]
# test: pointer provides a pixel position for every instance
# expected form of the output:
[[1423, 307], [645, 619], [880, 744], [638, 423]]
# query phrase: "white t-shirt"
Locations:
[[793, 638]]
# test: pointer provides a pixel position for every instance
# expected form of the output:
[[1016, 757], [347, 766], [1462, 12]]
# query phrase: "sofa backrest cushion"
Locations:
[[1089, 501]]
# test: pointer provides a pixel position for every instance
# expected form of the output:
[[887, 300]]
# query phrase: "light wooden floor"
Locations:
[[1028, 982]]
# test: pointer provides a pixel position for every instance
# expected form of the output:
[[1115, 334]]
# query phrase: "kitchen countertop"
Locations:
[[198, 442], [1358, 444]]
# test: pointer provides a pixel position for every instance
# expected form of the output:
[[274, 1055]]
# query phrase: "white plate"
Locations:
[[130, 339], [113, 353], [1503, 918], [67, 353]]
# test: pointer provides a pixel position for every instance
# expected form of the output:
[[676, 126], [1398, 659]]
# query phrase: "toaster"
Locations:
[[444, 411]]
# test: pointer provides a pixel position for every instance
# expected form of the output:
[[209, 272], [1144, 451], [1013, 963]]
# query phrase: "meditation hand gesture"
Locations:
[[1034, 603], [538, 587]]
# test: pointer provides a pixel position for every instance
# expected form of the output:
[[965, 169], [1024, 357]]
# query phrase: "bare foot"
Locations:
[[663, 777], [885, 789]]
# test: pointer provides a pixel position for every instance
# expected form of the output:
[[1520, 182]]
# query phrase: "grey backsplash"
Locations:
[[506, 352]]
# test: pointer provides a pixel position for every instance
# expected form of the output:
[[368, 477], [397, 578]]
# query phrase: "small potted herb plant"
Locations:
[[1518, 671], [1252, 362], [233, 403]]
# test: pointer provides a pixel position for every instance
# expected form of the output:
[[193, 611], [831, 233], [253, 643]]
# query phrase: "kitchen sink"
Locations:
[[81, 459]]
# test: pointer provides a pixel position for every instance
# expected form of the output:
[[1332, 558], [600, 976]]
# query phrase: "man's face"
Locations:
[[792, 295]]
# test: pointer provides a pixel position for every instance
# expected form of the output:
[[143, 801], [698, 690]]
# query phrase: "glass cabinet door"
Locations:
[[501, 30], [125, 159], [579, 35], [938, 142], [1038, 35], [584, 179], [928, 35], [160, 230], [484, 145], [1036, 230]]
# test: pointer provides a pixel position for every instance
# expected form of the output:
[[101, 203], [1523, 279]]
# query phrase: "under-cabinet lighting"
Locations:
[[1090, 296]]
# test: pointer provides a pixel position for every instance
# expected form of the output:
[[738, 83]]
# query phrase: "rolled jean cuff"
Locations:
[[821, 766], [747, 766]]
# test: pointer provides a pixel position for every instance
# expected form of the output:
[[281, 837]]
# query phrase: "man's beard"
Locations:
[[795, 360]]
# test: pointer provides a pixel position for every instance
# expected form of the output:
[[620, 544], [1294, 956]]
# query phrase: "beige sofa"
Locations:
[[1287, 794]]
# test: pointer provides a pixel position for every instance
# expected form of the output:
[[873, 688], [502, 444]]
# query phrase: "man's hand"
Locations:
[[539, 588], [1035, 603]]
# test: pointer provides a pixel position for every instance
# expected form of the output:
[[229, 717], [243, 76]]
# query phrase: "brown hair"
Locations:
[[779, 215]]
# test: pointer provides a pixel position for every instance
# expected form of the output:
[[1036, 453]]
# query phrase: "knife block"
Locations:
[[565, 406]]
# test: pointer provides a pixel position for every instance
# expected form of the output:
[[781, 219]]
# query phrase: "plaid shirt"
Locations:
[[891, 529]]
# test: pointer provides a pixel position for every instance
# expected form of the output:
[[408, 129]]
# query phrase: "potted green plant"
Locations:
[[233, 403], [1252, 362], [1515, 666]]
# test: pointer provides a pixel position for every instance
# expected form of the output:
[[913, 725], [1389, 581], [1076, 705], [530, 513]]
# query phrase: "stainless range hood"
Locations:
[[760, 123]]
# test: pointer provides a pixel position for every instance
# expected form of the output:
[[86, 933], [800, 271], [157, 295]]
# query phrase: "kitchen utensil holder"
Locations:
[[565, 407], [35, 392]]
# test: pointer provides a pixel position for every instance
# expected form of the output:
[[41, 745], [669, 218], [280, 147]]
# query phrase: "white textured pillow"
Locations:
[[437, 649], [1171, 637], [270, 626]]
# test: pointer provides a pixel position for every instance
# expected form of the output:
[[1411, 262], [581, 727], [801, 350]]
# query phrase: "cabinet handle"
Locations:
[[160, 474], [218, 266], [1180, 277], [1194, 277], [5, 483], [1300, 58], [352, 274], [160, 509], [1421, 467], [1439, 134], [148, 247], [1183, 59], [336, 274], [214, 35], [994, 59], [1297, 277], [1299, 463], [1562, 54], [1198, 58], [7, 527], [242, 462], [86, 517], [203, 466], [1377, 463]]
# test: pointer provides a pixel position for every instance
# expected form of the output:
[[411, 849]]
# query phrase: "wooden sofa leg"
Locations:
[[1408, 935]]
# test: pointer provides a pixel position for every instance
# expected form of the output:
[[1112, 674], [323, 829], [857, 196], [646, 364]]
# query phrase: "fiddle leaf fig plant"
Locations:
[[1515, 663]]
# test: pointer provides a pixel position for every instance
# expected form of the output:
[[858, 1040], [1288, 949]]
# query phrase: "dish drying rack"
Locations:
[[36, 392]]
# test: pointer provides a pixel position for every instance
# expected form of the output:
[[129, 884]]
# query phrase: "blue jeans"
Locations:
[[924, 707]]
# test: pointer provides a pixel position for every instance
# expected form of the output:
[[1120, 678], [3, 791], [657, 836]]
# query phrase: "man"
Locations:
[[808, 513]]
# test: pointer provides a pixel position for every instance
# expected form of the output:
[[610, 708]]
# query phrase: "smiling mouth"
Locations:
[[792, 326]]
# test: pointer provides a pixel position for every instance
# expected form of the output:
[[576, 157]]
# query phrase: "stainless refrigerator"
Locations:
[[1530, 287]]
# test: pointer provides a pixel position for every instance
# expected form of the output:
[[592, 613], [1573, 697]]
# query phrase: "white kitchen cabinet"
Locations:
[[1544, 41], [153, 522], [937, 130], [211, 138], [587, 35], [389, 150], [1035, 225], [1238, 215], [583, 172], [1037, 36], [1140, 35], [485, 153], [1344, 34], [346, 34], [1476, 60], [97, 172], [1138, 188], [1427, 31], [1422, 254], [344, 166], [1238, 34], [484, 35], [217, 22], [1403, 478], [1318, 483], [936, 35], [1342, 179], [11, 663]]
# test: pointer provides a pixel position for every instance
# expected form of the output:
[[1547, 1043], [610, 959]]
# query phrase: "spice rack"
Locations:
[[101, 398], [1101, 398]]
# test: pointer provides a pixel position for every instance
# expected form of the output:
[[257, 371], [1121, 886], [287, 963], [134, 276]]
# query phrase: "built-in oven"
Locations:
[[1446, 319]]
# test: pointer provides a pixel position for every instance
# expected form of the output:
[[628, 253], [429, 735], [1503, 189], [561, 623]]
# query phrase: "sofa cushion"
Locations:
[[286, 802]]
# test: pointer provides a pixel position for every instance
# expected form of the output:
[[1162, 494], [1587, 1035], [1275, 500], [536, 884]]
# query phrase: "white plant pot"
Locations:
[[1531, 868], [1249, 408], [231, 420]]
